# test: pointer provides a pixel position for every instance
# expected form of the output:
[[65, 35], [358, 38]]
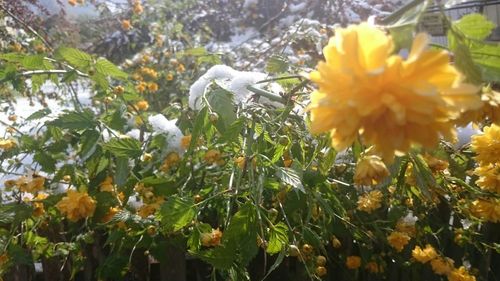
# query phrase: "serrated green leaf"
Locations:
[[176, 213], [33, 62], [278, 238], [75, 120], [88, 143], [126, 147], [107, 68], [277, 64], [46, 161], [39, 114], [122, 171], [12, 57], [75, 57], [221, 101], [465, 63], [291, 177], [475, 26]]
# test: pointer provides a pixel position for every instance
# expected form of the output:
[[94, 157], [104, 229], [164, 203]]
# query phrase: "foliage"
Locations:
[[236, 180]]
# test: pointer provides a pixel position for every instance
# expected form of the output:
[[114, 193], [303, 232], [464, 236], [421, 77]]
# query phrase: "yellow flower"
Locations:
[[487, 145], [138, 9], [211, 239], [370, 170], [153, 87], [147, 210], [442, 266], [435, 164], [391, 102], [398, 240], [181, 68], [353, 262], [110, 214], [240, 162], [486, 209], [424, 255], [7, 144], [107, 185], [171, 160], [373, 267], [460, 274], [186, 141], [370, 201], [118, 90], [126, 25], [142, 105], [489, 177], [76, 205], [170, 77], [72, 2], [141, 87], [212, 156], [489, 111], [34, 185]]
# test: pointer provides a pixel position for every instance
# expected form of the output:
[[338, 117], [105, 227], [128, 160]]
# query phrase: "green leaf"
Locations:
[[75, 120], [241, 234], [220, 257], [75, 57], [232, 131], [200, 51], [221, 101], [126, 147], [88, 143], [291, 177], [46, 161], [33, 62], [122, 171], [107, 68], [176, 213], [39, 114], [423, 175], [278, 238], [474, 26], [465, 63], [402, 22], [12, 57], [277, 64]]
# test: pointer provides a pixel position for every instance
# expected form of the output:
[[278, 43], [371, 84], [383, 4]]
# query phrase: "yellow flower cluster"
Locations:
[[370, 201], [392, 103], [149, 209], [76, 205], [398, 240], [170, 161], [487, 148], [487, 145], [7, 144], [486, 209], [489, 111], [107, 185], [460, 274], [370, 170], [214, 156], [27, 184], [211, 239], [424, 255], [137, 7], [353, 262], [441, 265]]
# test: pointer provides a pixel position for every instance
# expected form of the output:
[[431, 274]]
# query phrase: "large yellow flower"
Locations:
[[370, 170], [76, 205], [391, 102], [487, 145], [486, 209], [424, 255], [489, 177]]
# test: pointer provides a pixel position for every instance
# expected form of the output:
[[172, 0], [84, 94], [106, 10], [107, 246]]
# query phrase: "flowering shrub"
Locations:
[[176, 158]]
